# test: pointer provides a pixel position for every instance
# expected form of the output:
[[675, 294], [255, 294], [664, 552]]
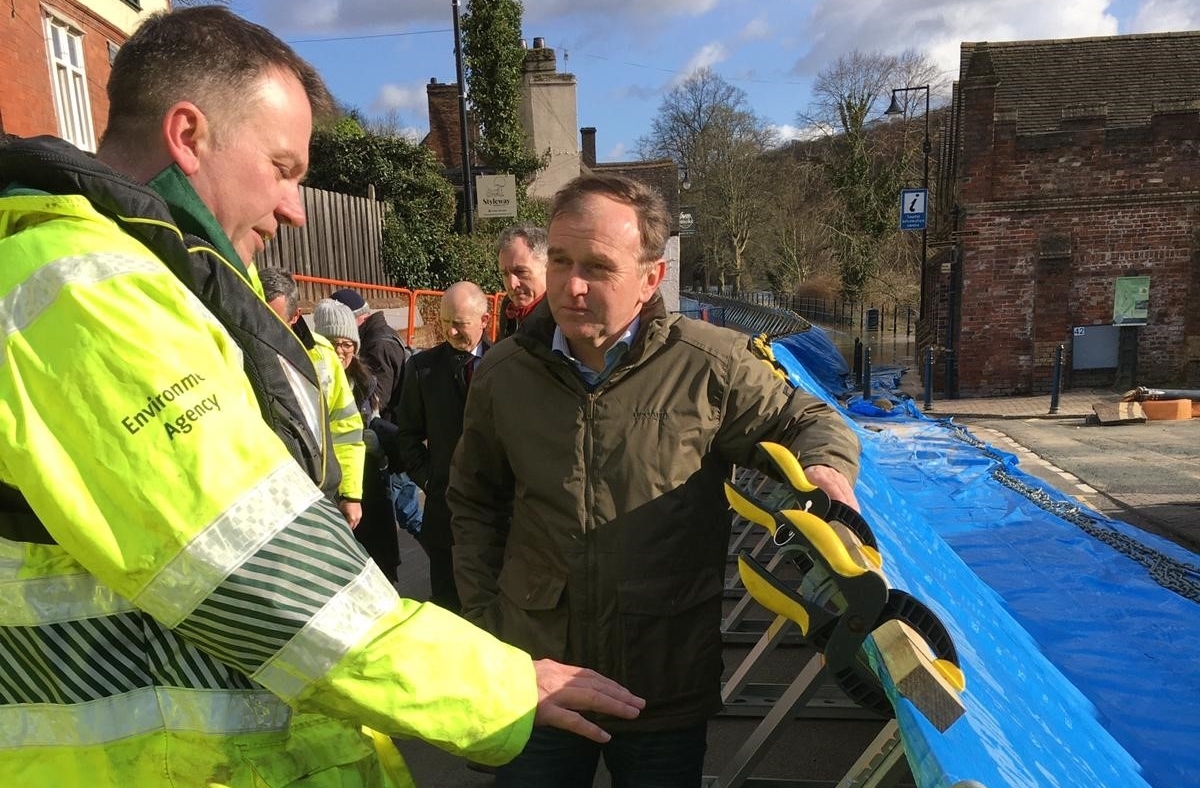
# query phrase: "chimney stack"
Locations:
[[587, 148], [539, 42]]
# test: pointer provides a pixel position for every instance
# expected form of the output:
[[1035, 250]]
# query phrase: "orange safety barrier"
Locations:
[[388, 297]]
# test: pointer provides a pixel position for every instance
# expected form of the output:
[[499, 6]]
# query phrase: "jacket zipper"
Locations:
[[589, 500]]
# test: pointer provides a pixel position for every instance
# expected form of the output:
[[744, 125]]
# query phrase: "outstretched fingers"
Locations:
[[566, 690]]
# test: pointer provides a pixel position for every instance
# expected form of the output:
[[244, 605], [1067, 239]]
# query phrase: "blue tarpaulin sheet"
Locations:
[[1081, 661]]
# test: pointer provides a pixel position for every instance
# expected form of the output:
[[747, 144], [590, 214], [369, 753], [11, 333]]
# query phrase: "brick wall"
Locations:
[[1048, 223], [26, 101]]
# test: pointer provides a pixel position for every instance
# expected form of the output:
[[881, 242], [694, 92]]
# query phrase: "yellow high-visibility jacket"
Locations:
[[345, 422], [179, 603]]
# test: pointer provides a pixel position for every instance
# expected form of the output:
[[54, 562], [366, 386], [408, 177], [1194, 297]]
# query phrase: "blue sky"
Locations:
[[378, 55]]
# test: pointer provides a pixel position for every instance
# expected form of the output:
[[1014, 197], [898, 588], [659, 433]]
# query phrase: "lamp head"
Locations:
[[894, 108]]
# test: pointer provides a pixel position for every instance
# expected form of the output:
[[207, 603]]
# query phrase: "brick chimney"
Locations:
[[587, 146], [444, 136], [540, 59]]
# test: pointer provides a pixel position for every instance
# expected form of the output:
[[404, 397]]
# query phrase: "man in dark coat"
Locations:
[[521, 255], [430, 418]]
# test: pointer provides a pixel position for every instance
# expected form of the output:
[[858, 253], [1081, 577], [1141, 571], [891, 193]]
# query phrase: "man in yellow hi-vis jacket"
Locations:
[[345, 423], [181, 604]]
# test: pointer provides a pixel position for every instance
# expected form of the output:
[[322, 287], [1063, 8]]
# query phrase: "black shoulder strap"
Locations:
[[17, 520]]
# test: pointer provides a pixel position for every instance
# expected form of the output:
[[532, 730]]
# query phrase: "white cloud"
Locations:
[[401, 110], [617, 152], [940, 26], [756, 29], [706, 56], [541, 9], [1162, 16], [401, 97], [786, 132], [344, 15]]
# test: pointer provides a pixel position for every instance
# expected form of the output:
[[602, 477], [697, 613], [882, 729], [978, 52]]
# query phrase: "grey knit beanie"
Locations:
[[333, 319]]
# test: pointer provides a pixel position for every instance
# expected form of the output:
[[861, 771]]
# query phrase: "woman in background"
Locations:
[[376, 532]]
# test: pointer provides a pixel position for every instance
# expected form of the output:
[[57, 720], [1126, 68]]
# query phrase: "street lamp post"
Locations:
[[896, 108], [464, 132]]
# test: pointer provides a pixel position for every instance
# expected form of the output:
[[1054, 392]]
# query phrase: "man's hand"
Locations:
[[352, 511], [566, 690], [834, 483]]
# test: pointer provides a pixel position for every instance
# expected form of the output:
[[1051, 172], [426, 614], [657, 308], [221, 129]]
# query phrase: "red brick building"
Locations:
[[55, 58], [1067, 165]]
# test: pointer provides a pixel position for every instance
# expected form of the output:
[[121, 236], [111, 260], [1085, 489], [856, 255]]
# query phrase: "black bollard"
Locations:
[[1054, 387], [858, 346], [929, 378], [866, 373]]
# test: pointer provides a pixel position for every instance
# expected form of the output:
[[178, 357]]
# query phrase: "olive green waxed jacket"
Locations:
[[614, 556]]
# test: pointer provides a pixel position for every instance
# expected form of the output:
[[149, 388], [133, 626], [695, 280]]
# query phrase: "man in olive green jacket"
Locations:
[[589, 517]]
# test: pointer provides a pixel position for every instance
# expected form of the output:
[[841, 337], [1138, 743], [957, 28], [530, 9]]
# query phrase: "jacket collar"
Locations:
[[537, 332], [193, 216]]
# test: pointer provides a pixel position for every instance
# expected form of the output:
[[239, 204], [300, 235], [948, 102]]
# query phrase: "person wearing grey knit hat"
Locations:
[[376, 531], [335, 321]]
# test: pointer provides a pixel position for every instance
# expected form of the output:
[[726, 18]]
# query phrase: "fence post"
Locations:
[[1058, 361], [929, 378], [866, 374]]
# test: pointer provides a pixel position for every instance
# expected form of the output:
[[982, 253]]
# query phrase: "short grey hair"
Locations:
[[278, 282], [534, 236], [654, 224]]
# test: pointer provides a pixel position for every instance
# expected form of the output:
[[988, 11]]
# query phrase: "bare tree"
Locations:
[[706, 125], [866, 164], [794, 246]]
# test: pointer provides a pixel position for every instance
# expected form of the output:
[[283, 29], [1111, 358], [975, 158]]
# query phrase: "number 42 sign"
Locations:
[[913, 205]]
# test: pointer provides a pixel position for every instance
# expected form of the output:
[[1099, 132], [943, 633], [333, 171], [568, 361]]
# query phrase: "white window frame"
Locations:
[[68, 80]]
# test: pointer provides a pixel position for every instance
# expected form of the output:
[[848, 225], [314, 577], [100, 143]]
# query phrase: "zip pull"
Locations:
[[590, 411]]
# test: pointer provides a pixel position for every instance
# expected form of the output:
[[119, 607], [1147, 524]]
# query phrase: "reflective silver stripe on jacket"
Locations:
[[237, 533], [332, 632], [26, 302], [310, 398], [47, 600], [142, 711]]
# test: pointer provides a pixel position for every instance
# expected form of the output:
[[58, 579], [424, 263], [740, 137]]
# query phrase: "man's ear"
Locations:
[[186, 132], [652, 278]]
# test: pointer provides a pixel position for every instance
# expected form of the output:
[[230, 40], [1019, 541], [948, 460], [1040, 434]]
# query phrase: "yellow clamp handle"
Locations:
[[788, 465], [825, 541], [749, 509], [772, 594]]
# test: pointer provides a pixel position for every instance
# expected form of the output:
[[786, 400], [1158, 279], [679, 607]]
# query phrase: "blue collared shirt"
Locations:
[[612, 357]]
